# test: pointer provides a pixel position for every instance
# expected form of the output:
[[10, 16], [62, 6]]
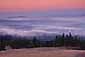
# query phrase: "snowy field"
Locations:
[[42, 52]]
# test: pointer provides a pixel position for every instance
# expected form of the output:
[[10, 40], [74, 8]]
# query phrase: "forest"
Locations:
[[68, 41]]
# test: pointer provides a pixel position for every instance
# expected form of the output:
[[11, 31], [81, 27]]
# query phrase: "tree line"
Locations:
[[64, 40]]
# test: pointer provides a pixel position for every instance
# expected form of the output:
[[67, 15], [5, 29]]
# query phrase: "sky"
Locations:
[[42, 16], [42, 5]]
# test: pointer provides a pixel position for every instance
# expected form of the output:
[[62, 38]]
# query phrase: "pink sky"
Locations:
[[17, 5]]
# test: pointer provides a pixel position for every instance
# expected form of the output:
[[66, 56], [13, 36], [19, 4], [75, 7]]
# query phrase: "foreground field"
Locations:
[[42, 52]]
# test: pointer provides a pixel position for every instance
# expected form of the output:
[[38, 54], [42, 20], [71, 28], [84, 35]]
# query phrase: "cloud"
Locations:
[[11, 31], [36, 31], [47, 27], [38, 26]]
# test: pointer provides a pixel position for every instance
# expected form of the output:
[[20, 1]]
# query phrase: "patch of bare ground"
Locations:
[[42, 52]]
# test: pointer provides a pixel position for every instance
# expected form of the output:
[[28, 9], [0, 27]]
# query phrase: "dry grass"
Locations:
[[42, 52]]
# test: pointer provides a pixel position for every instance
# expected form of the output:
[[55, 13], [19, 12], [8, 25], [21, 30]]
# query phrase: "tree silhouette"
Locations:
[[64, 40]]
